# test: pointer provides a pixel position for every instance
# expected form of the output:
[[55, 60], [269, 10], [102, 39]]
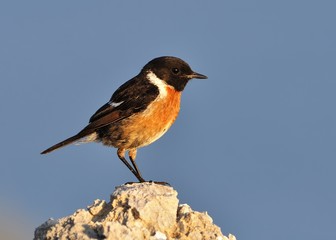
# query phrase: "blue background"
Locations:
[[254, 145]]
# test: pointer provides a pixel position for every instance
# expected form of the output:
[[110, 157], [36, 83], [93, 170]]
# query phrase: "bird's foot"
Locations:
[[129, 183], [150, 181]]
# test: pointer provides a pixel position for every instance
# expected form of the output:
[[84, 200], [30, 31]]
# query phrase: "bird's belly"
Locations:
[[145, 127]]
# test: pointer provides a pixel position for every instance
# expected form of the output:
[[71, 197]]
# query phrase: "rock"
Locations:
[[135, 211]]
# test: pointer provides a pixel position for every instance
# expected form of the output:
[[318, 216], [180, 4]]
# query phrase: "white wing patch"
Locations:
[[161, 84], [114, 104]]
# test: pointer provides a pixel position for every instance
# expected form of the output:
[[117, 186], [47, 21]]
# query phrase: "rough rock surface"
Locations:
[[135, 211]]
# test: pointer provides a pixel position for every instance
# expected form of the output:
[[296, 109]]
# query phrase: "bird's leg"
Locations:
[[132, 155], [121, 155]]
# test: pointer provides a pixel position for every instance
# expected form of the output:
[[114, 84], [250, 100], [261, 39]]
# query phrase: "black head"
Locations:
[[174, 71]]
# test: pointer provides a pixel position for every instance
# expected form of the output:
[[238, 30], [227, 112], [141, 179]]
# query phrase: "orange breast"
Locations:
[[146, 127]]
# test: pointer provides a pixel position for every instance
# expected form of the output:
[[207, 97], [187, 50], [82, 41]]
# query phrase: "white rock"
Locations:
[[135, 211]]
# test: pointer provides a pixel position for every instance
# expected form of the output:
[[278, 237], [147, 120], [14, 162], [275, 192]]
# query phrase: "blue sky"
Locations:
[[254, 145]]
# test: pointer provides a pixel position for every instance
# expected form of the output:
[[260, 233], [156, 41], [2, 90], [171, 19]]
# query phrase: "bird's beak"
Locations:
[[197, 75]]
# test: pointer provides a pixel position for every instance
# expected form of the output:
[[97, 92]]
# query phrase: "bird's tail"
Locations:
[[80, 137]]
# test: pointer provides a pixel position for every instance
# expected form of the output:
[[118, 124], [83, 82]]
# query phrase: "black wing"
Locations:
[[131, 97]]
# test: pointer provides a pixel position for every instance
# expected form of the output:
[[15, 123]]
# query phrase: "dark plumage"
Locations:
[[140, 111]]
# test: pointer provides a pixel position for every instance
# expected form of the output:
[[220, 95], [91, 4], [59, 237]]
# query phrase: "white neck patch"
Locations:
[[158, 82]]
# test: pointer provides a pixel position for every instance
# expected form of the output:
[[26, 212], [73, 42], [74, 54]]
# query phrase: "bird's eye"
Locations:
[[175, 70]]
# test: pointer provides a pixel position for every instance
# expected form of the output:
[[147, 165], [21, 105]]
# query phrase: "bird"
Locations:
[[139, 112]]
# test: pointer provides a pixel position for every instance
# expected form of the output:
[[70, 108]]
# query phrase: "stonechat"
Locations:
[[140, 111]]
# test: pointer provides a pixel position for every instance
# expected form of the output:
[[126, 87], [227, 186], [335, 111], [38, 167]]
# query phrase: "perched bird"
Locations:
[[140, 111]]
